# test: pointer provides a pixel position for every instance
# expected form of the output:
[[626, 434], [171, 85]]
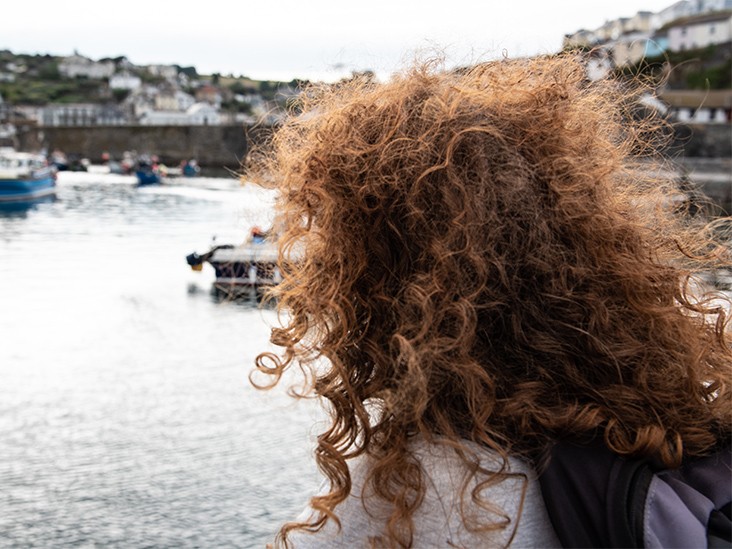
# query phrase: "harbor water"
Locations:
[[126, 414]]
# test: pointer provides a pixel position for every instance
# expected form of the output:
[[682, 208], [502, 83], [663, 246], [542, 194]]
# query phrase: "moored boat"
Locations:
[[25, 176], [146, 175], [150, 171], [252, 264]]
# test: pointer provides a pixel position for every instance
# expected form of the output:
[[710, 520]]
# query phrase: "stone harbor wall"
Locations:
[[226, 146], [702, 141], [212, 146]]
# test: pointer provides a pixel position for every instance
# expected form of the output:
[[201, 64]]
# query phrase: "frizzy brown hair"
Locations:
[[476, 255]]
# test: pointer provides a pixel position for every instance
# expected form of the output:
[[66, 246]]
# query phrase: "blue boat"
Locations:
[[25, 176], [190, 169], [147, 176]]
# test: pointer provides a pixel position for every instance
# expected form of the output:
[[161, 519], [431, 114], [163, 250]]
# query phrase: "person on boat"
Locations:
[[257, 235], [189, 168], [475, 266]]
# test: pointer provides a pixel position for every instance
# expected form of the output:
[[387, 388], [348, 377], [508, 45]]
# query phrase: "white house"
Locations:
[[677, 10], [714, 5], [166, 101], [203, 114], [700, 31], [630, 48], [164, 118], [641, 22], [582, 37], [124, 81], [173, 100], [199, 114], [82, 114], [184, 100], [169, 72], [141, 100], [611, 30], [78, 65], [647, 22]]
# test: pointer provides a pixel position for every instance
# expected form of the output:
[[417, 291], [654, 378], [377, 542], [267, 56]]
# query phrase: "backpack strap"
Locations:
[[595, 498], [692, 503]]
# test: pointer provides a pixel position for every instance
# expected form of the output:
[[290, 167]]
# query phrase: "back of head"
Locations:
[[478, 256]]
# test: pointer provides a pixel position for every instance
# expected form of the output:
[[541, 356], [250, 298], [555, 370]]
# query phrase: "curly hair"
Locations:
[[484, 255]]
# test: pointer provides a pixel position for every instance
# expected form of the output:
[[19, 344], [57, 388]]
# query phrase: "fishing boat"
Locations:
[[150, 171], [148, 174], [241, 268], [25, 176]]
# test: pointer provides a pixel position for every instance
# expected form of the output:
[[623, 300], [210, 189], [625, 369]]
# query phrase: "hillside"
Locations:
[[36, 80]]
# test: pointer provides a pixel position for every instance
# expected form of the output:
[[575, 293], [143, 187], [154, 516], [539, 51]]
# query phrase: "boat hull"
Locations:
[[145, 177], [18, 190], [246, 273], [239, 269]]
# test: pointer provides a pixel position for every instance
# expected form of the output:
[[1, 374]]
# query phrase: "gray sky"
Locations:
[[317, 39]]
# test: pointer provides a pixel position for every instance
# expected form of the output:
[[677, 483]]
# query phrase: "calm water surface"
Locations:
[[126, 417]]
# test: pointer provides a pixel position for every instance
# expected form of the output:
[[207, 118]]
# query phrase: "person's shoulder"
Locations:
[[448, 515], [468, 506]]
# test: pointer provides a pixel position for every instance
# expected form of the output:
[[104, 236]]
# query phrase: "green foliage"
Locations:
[[49, 71], [651, 70], [148, 78], [298, 84], [41, 92], [190, 72], [120, 95], [241, 88], [714, 78], [702, 68], [268, 90], [235, 106]]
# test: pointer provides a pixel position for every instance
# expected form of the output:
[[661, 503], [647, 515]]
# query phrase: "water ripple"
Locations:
[[126, 418]]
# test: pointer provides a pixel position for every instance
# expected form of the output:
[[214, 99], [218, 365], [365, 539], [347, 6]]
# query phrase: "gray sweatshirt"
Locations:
[[438, 522]]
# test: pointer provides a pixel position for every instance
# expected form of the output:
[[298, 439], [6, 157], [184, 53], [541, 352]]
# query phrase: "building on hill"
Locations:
[[699, 31], [677, 10], [685, 24], [641, 22], [203, 114], [171, 99], [82, 114], [210, 94], [78, 65], [169, 72], [124, 81], [630, 48], [699, 106], [199, 114]]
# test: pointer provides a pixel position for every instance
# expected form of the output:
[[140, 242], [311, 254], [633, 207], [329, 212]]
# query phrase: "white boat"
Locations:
[[241, 268], [25, 176]]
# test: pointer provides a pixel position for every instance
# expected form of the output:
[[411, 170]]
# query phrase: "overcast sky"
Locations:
[[285, 39]]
